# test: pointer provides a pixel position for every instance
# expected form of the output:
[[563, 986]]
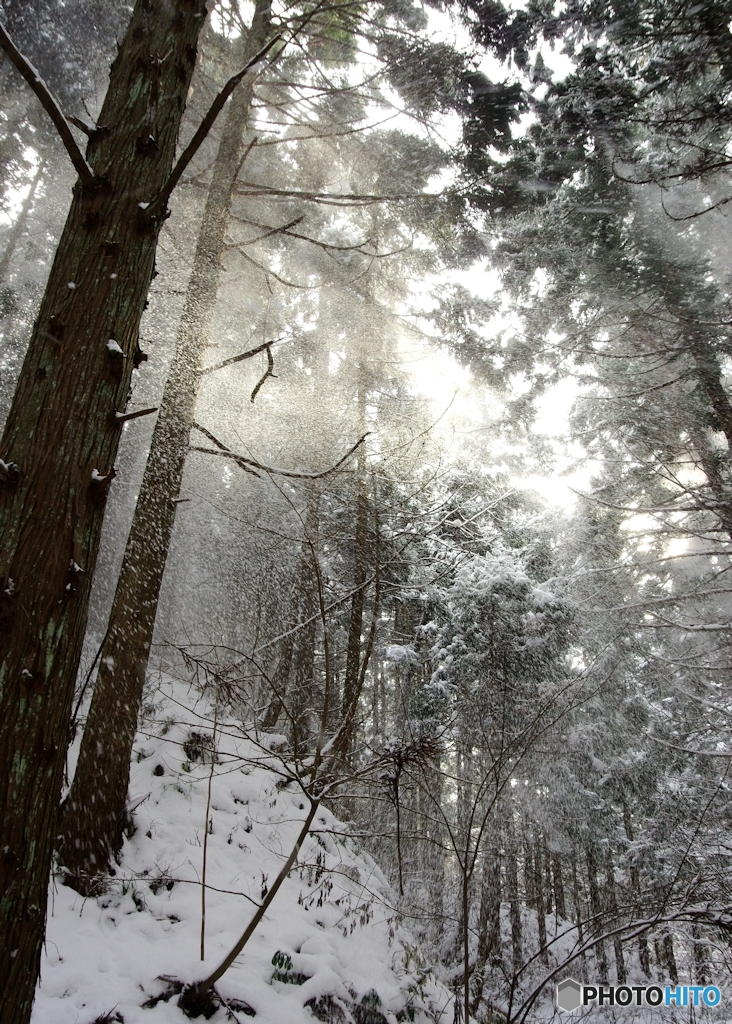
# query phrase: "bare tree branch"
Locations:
[[250, 465], [123, 417], [50, 105], [242, 355], [254, 188], [272, 231], [269, 372]]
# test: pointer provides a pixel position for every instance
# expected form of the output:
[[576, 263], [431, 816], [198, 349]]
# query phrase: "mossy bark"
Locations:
[[95, 810], [58, 452]]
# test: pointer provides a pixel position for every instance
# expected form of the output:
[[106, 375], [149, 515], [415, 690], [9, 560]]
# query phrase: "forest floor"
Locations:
[[331, 930]]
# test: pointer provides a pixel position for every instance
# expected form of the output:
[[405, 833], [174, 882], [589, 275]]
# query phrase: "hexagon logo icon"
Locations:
[[569, 994]]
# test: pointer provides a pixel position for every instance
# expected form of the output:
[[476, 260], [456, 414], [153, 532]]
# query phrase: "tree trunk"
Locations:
[[700, 956], [465, 929], [512, 891], [644, 956], [62, 436], [355, 625], [559, 900], [94, 812], [489, 916], [489, 928], [613, 920], [539, 900], [577, 899], [406, 621], [596, 914], [549, 901], [303, 682], [669, 959], [298, 647]]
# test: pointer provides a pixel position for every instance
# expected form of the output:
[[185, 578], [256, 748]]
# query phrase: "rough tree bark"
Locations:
[[95, 811], [58, 453]]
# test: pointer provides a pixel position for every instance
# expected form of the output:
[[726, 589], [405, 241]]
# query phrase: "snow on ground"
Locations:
[[331, 923]]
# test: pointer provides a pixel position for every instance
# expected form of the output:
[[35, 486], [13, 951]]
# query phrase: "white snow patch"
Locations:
[[333, 917]]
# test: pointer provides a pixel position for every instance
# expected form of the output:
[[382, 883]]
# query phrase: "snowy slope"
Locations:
[[340, 946]]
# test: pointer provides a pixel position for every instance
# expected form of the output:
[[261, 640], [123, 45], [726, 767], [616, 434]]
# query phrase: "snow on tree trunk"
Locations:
[[58, 454]]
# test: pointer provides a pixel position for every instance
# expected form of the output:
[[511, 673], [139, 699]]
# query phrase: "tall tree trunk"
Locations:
[[489, 916], [577, 900], [298, 647], [559, 900], [465, 934], [669, 959], [94, 812], [549, 901], [512, 891], [489, 927], [644, 956], [62, 436], [700, 956], [539, 899], [280, 678], [360, 561], [303, 681], [596, 913], [613, 920], [405, 626]]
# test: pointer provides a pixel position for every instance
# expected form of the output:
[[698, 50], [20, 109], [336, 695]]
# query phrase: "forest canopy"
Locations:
[[365, 509]]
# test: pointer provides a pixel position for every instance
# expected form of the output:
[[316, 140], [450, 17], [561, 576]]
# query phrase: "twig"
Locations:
[[284, 230], [205, 833], [160, 201], [250, 465], [50, 105], [124, 417], [269, 372], [242, 355], [255, 188], [85, 126]]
